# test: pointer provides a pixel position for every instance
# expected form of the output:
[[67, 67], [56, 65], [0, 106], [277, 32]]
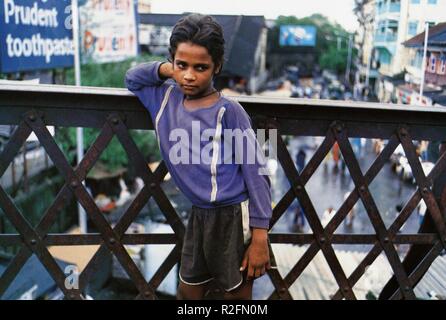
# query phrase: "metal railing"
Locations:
[[117, 111]]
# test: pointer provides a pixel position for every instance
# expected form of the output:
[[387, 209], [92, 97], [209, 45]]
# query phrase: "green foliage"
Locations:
[[335, 60], [114, 156], [106, 74]]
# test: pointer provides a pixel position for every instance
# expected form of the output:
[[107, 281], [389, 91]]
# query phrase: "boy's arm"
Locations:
[[257, 255], [165, 70], [146, 82], [258, 185], [256, 258], [151, 74]]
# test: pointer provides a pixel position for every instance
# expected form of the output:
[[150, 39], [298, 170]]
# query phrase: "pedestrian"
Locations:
[[327, 159], [421, 211], [351, 214], [300, 160], [327, 216], [356, 145], [336, 155], [363, 144], [226, 238], [423, 150], [299, 218]]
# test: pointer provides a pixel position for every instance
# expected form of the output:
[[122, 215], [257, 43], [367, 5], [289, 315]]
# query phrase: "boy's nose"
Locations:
[[189, 76]]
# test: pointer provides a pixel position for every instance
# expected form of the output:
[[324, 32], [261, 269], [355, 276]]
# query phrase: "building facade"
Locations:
[[395, 22], [435, 68]]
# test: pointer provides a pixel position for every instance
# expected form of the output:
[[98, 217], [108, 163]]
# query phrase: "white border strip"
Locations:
[[194, 284], [215, 154], [163, 106], [245, 221]]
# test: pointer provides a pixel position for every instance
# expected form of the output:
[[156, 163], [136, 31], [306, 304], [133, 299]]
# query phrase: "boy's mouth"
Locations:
[[189, 87]]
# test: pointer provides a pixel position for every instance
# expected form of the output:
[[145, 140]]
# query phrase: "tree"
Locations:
[[364, 19], [334, 60]]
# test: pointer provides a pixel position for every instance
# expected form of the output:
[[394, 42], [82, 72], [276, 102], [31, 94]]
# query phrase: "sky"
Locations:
[[340, 11]]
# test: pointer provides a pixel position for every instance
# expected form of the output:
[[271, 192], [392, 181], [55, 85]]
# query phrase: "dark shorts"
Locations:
[[214, 245]]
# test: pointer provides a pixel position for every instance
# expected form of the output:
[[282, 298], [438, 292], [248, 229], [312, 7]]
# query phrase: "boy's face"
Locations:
[[193, 69]]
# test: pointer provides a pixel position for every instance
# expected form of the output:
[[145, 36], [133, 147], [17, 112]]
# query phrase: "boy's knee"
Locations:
[[188, 292], [244, 292]]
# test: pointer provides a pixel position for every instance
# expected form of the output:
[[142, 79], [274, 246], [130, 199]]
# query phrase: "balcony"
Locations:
[[394, 7], [385, 37], [115, 111], [388, 7]]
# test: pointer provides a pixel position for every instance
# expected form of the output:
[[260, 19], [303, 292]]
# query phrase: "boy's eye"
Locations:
[[181, 65], [201, 68]]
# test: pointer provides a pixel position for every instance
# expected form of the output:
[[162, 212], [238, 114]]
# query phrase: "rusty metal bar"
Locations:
[[109, 236], [342, 212], [313, 219], [62, 198], [372, 210], [398, 223], [424, 184]]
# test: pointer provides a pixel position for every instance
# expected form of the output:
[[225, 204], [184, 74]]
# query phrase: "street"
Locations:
[[328, 187]]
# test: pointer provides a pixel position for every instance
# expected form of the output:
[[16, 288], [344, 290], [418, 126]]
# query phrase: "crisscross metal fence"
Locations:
[[32, 108]]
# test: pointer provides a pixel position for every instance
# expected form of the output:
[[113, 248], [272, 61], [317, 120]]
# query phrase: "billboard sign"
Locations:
[[108, 30], [35, 35], [297, 36]]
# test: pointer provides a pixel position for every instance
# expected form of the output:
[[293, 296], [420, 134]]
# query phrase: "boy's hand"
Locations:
[[166, 70], [256, 257]]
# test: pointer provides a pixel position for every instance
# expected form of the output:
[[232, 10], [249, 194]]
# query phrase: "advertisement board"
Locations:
[[35, 35], [297, 36]]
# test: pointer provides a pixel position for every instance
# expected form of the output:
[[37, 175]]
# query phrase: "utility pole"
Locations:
[[423, 67], [349, 59], [79, 132]]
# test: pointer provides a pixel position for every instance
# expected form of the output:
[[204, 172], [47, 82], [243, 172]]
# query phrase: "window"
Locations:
[[413, 26], [385, 57], [415, 1], [431, 1], [433, 63], [443, 65], [417, 61]]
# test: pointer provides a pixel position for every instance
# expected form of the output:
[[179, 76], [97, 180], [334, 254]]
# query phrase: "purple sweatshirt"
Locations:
[[202, 163]]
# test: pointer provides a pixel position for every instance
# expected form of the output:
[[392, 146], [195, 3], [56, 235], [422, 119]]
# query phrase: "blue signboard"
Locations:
[[297, 36], [35, 35]]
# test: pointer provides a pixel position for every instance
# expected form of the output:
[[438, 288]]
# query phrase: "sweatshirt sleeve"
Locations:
[[145, 82], [253, 170]]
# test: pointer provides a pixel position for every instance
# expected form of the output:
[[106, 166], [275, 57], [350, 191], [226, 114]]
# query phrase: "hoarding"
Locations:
[[35, 35], [108, 30], [297, 36]]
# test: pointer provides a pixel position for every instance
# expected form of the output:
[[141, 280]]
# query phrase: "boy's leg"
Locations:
[[189, 292], [244, 292], [194, 274]]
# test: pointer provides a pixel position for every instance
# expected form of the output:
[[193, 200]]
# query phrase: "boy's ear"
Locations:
[[217, 70], [171, 53]]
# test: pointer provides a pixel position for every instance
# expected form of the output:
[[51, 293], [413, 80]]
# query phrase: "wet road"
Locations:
[[328, 187]]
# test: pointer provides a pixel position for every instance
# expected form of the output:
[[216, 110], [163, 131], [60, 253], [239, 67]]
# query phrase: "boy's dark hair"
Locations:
[[200, 30]]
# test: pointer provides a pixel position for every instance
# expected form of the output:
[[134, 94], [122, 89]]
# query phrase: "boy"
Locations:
[[226, 236]]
